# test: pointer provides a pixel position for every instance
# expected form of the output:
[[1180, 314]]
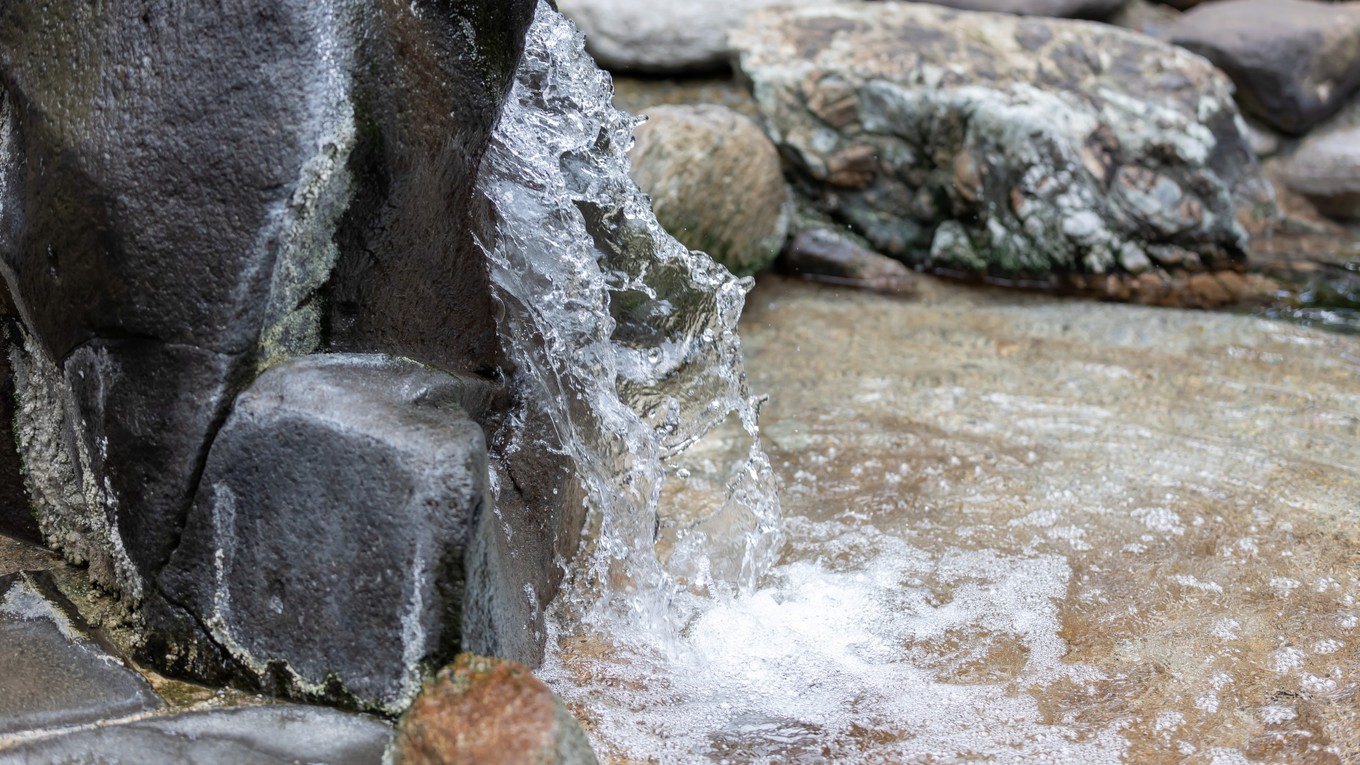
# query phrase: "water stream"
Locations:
[[1018, 529]]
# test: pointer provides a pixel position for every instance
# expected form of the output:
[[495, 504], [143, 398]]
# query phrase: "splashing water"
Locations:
[[624, 339]]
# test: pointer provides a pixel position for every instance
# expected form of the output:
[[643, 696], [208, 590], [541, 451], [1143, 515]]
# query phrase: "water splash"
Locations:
[[624, 340]]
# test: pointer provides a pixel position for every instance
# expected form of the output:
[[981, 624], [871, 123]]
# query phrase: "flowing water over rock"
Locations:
[[1019, 528], [626, 340]]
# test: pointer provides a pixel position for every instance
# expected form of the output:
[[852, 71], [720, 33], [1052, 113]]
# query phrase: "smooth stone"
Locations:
[[1150, 18], [52, 672], [341, 491], [824, 255], [715, 182], [659, 38], [1022, 148], [1071, 9], [483, 710], [1325, 167], [282, 734], [1295, 62]]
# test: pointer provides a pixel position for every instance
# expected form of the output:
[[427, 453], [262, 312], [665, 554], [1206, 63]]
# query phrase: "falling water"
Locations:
[[624, 338]]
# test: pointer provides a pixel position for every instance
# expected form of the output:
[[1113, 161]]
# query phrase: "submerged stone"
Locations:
[[52, 672], [324, 551], [1013, 147], [282, 734]]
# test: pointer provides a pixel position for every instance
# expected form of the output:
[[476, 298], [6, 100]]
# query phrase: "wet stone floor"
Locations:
[[1023, 529]]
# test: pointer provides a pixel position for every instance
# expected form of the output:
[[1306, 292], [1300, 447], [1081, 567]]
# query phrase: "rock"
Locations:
[[482, 710], [1295, 62], [824, 255], [52, 672], [281, 734], [341, 491], [1072, 9], [1326, 166], [715, 183], [162, 248], [665, 38], [1265, 142], [1151, 18], [16, 515], [1007, 146]]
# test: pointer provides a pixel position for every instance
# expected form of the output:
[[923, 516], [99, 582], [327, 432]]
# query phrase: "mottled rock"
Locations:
[[481, 710], [52, 672], [282, 734], [1326, 166], [324, 551], [644, 36], [1295, 62], [824, 255], [1003, 145], [1072, 9], [715, 182]]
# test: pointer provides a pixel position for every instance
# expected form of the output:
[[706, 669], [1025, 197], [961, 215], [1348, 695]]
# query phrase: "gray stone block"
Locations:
[[283, 734], [325, 548], [52, 672]]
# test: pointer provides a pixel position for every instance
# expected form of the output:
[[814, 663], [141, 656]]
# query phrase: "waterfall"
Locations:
[[623, 339]]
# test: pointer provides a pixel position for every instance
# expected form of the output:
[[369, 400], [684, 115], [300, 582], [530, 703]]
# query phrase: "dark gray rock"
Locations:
[[16, 515], [1071, 9], [52, 672], [179, 204], [824, 255], [282, 734], [1295, 62], [325, 548], [1005, 146], [1325, 167]]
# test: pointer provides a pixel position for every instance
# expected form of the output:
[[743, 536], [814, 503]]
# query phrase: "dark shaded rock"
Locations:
[[1151, 18], [481, 710], [1010, 147], [1295, 62], [410, 280], [715, 183], [52, 673], [325, 548], [16, 516], [182, 201], [824, 255], [1072, 9], [281, 734]]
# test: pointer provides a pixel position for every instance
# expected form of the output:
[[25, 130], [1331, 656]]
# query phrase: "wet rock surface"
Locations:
[[52, 671], [282, 734], [1295, 62], [1004, 146], [715, 183], [324, 551], [825, 255], [1025, 529], [482, 710]]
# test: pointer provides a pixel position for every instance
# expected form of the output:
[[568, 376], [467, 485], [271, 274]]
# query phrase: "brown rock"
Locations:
[[824, 255], [716, 183], [479, 711]]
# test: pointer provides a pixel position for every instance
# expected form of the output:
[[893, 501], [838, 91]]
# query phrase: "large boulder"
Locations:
[[1295, 62], [999, 145], [1072, 9], [200, 196], [715, 182], [324, 551]]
